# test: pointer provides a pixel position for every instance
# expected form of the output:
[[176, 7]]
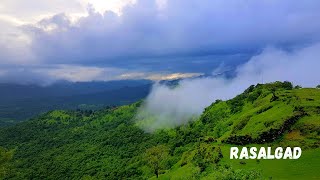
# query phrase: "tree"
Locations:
[[318, 87], [5, 157], [287, 85], [297, 87], [206, 155], [156, 157], [274, 96]]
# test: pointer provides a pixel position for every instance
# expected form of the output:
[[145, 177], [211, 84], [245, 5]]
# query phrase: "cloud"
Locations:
[[158, 76], [20, 75], [110, 5], [81, 73], [169, 107], [173, 76], [175, 36], [15, 16], [178, 28], [14, 44], [46, 75]]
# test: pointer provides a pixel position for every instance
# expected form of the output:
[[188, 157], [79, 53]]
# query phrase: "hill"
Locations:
[[21, 102], [108, 144]]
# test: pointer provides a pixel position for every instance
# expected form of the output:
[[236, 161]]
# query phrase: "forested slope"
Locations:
[[108, 144]]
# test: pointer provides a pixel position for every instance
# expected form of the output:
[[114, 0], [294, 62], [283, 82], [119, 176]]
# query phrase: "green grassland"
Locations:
[[108, 144]]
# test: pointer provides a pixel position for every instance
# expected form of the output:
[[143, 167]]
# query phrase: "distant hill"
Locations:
[[20, 102], [10, 92], [108, 144]]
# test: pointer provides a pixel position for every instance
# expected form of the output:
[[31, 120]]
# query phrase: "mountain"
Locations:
[[11, 92], [20, 102], [108, 144]]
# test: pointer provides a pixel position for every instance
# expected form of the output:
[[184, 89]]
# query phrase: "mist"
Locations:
[[167, 107]]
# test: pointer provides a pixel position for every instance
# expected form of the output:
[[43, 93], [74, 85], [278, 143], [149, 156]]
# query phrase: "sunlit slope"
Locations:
[[273, 115], [266, 113]]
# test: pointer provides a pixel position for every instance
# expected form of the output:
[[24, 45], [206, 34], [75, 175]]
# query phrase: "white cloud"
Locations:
[[172, 76], [45, 74], [84, 74], [48, 74], [79, 73], [170, 107], [35, 10], [162, 4], [12, 20], [142, 31], [14, 44], [109, 5], [158, 76]]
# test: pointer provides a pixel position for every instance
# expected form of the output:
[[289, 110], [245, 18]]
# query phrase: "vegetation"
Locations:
[[108, 144], [21, 102], [5, 157], [156, 157]]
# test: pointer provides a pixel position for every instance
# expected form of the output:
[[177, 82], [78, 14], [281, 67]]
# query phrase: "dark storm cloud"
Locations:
[[180, 36], [179, 29]]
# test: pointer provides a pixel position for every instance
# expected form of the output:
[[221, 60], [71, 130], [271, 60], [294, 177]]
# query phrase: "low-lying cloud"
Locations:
[[47, 75], [168, 107]]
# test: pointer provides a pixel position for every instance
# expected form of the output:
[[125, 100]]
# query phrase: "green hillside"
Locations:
[[108, 144]]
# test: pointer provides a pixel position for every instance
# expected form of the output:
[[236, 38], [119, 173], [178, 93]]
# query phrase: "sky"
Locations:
[[170, 107], [95, 40]]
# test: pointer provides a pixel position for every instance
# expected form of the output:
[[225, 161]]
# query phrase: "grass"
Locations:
[[261, 116], [109, 143], [306, 167]]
